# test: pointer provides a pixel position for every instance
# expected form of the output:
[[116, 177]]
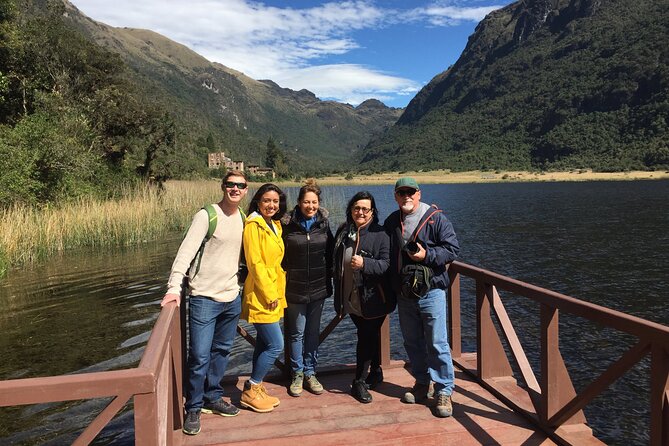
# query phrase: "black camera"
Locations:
[[411, 247]]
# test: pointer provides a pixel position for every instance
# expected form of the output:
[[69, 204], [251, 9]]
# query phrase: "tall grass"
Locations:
[[145, 213]]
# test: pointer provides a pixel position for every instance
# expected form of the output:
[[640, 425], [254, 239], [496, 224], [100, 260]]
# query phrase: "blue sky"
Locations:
[[346, 51]]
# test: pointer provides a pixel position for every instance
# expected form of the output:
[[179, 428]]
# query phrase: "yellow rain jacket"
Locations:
[[266, 282]]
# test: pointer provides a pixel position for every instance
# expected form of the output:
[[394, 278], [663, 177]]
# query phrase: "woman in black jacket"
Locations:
[[362, 250], [307, 262]]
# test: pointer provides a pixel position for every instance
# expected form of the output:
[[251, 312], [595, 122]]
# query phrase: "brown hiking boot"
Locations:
[[417, 394], [274, 400], [255, 398], [444, 407]]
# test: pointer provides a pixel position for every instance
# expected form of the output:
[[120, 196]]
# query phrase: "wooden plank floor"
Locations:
[[335, 418]]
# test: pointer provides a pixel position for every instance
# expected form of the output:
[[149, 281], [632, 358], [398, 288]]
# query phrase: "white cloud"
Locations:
[[452, 15], [287, 45], [347, 83]]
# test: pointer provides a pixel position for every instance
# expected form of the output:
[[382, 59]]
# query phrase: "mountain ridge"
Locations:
[[247, 112], [544, 84]]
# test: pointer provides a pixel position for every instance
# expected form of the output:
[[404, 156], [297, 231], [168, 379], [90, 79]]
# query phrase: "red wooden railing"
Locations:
[[554, 403], [155, 386]]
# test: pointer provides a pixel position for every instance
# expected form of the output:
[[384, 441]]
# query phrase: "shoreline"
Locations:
[[477, 176]]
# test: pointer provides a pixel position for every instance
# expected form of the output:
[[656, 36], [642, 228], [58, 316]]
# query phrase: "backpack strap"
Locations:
[[212, 217], [435, 210], [213, 220]]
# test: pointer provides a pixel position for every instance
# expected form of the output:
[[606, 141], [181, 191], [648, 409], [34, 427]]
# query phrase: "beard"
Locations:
[[407, 207]]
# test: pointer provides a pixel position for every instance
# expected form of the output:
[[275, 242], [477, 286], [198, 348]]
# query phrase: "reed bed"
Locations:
[[144, 213]]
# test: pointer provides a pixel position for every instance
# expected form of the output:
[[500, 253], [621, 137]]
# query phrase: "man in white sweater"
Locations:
[[215, 300]]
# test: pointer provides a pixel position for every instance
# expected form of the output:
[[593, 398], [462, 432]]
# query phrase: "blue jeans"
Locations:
[[303, 326], [269, 345], [212, 329], [423, 325]]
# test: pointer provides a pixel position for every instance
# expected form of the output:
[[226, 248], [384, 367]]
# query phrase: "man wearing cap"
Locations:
[[422, 236]]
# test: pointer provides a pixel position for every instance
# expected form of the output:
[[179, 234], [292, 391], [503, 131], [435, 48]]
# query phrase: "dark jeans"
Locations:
[[368, 348], [212, 330]]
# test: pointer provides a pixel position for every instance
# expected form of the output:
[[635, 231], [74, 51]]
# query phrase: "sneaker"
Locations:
[[417, 394], [255, 398], [359, 391], [374, 378], [221, 408], [192, 423], [312, 385], [444, 407], [295, 388]]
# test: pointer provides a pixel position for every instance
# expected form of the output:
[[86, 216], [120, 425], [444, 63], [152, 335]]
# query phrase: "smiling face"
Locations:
[[233, 193], [408, 199], [309, 204], [362, 213], [268, 205]]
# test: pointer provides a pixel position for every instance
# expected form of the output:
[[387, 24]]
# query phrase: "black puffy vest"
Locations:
[[307, 260]]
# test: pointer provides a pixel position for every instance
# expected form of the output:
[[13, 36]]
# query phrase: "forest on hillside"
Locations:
[[71, 122], [570, 84]]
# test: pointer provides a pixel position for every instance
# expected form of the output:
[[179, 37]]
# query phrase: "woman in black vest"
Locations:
[[362, 256], [307, 262]]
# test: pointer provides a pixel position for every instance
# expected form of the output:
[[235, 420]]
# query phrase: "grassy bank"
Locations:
[[146, 213], [477, 176]]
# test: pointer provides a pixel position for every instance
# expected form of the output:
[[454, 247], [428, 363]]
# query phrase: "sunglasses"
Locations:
[[405, 192], [232, 184]]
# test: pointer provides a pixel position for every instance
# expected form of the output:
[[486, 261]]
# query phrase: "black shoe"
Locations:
[[359, 391], [192, 423], [374, 378], [221, 408]]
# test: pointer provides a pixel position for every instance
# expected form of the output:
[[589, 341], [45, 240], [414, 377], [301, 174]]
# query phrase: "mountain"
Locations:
[[239, 112], [544, 84]]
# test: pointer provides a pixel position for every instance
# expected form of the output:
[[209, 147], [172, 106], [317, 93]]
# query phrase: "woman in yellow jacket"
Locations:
[[264, 290]]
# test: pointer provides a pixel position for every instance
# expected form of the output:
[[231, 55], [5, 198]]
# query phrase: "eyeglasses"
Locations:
[[362, 210], [406, 192], [232, 184]]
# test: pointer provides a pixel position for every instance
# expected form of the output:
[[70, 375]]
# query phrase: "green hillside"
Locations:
[[545, 85], [243, 113], [87, 109]]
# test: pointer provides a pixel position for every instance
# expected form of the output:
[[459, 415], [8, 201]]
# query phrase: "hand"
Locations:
[[171, 297], [357, 262], [419, 255], [273, 304]]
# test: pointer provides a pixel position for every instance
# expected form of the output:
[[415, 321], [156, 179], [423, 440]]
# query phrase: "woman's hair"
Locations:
[[267, 187], [362, 195], [309, 186]]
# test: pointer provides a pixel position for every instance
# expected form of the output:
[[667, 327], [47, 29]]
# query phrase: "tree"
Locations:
[[276, 160]]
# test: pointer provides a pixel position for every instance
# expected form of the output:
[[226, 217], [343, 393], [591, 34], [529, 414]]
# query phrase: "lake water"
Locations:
[[603, 242]]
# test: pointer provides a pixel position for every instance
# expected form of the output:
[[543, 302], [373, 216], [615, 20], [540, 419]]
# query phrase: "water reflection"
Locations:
[[606, 243]]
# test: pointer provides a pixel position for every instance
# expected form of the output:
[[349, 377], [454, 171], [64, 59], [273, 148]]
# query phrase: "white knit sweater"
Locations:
[[217, 277]]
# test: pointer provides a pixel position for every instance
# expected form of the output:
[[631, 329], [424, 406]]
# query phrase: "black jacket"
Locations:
[[308, 258], [375, 300]]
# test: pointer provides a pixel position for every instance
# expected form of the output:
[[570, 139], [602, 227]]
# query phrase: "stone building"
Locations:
[[218, 159]]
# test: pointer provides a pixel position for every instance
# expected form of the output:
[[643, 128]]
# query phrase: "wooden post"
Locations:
[[492, 361], [385, 342], [151, 415], [454, 313], [556, 386], [659, 396]]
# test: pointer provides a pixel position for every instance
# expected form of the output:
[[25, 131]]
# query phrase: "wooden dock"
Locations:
[[336, 418], [501, 397]]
